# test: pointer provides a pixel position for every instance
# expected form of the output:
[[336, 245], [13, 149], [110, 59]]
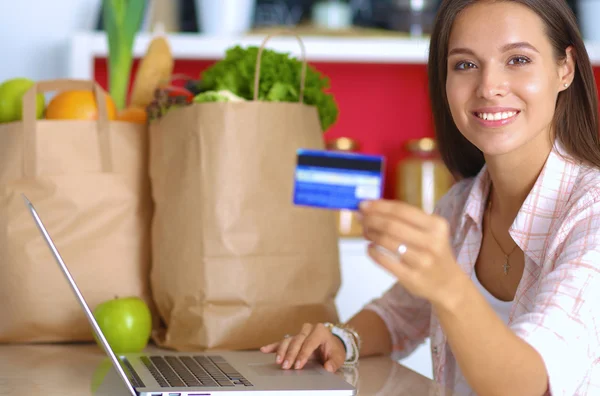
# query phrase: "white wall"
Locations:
[[34, 35]]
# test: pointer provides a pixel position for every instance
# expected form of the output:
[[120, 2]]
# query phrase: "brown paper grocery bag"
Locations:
[[88, 180], [235, 264]]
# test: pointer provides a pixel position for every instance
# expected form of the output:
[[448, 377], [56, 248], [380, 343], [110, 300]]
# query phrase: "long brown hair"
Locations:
[[576, 117]]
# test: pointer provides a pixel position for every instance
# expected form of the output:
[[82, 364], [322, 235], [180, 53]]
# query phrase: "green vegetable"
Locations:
[[279, 80], [122, 19], [217, 96]]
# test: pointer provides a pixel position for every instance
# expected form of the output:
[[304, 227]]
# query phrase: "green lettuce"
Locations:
[[279, 80], [217, 96]]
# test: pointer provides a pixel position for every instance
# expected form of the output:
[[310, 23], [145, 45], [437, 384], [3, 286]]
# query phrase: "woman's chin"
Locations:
[[495, 147]]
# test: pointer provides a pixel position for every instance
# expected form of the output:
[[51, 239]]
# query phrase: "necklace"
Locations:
[[505, 266]]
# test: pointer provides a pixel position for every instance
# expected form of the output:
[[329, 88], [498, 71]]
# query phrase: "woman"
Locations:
[[504, 277]]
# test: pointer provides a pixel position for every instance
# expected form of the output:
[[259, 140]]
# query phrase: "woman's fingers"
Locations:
[[389, 231], [294, 352], [399, 210], [334, 362], [400, 267], [270, 348], [282, 350], [295, 345], [318, 337], [334, 354]]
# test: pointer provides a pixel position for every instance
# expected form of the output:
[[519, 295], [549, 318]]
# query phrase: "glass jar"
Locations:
[[347, 220], [422, 178]]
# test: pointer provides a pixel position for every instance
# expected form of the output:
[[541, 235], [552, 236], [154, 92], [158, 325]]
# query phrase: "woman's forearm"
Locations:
[[492, 358], [374, 334]]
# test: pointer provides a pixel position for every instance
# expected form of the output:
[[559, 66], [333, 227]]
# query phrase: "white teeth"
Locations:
[[497, 116]]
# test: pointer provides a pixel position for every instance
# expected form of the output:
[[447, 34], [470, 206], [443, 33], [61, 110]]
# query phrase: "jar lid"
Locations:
[[342, 144], [423, 145]]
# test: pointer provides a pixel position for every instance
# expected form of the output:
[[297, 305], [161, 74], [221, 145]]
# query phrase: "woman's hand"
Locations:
[[416, 246], [313, 342]]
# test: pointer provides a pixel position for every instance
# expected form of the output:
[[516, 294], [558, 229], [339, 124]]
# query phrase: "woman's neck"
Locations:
[[513, 176]]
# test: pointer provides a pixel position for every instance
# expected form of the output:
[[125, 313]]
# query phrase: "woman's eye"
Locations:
[[464, 65], [519, 60]]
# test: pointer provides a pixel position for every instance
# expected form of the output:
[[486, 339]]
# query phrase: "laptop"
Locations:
[[199, 374]]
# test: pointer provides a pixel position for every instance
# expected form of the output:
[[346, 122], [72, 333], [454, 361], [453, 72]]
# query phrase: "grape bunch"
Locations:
[[166, 99]]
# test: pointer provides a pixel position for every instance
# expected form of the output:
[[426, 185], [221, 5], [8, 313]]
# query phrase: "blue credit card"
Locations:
[[337, 180]]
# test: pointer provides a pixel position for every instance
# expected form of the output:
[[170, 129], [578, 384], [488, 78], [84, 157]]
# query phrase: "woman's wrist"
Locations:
[[349, 339], [452, 297]]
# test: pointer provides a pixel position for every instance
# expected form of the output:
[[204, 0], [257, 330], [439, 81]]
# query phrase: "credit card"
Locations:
[[337, 180]]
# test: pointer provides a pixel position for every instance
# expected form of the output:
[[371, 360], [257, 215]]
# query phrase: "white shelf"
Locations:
[[84, 47]]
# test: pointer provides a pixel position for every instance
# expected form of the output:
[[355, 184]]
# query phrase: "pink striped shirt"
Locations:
[[556, 308]]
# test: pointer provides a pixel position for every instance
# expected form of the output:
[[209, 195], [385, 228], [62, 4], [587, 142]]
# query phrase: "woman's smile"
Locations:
[[495, 117]]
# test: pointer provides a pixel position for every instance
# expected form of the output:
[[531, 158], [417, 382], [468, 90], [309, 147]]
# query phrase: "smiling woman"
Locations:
[[505, 275], [530, 50]]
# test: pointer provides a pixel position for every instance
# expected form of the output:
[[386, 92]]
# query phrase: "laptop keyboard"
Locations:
[[193, 371], [135, 379]]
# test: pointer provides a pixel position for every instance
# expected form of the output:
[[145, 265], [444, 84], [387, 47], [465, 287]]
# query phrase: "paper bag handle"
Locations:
[[259, 56], [30, 121]]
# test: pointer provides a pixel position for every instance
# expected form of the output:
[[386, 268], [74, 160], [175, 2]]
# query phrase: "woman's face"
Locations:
[[503, 78]]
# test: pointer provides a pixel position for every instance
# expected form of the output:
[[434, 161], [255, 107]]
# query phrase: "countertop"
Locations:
[[73, 369]]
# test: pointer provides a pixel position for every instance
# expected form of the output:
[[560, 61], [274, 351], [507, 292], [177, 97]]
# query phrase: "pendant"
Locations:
[[506, 266]]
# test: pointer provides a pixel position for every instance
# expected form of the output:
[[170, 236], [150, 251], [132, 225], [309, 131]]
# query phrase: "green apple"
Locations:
[[126, 323], [11, 99]]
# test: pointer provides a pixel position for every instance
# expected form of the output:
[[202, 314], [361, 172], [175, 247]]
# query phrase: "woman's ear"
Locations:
[[567, 69]]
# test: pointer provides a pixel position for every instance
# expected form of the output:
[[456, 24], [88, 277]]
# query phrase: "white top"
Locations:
[[502, 308]]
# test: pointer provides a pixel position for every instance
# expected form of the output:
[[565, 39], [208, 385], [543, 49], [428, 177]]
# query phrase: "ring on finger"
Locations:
[[401, 250]]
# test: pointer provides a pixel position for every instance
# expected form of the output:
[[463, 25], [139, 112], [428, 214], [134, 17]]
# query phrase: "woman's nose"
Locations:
[[493, 83]]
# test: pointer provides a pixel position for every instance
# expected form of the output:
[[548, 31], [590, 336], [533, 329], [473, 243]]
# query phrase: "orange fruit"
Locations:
[[133, 114], [78, 105]]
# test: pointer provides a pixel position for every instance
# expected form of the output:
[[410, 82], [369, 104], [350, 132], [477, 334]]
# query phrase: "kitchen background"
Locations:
[[382, 105], [377, 71]]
